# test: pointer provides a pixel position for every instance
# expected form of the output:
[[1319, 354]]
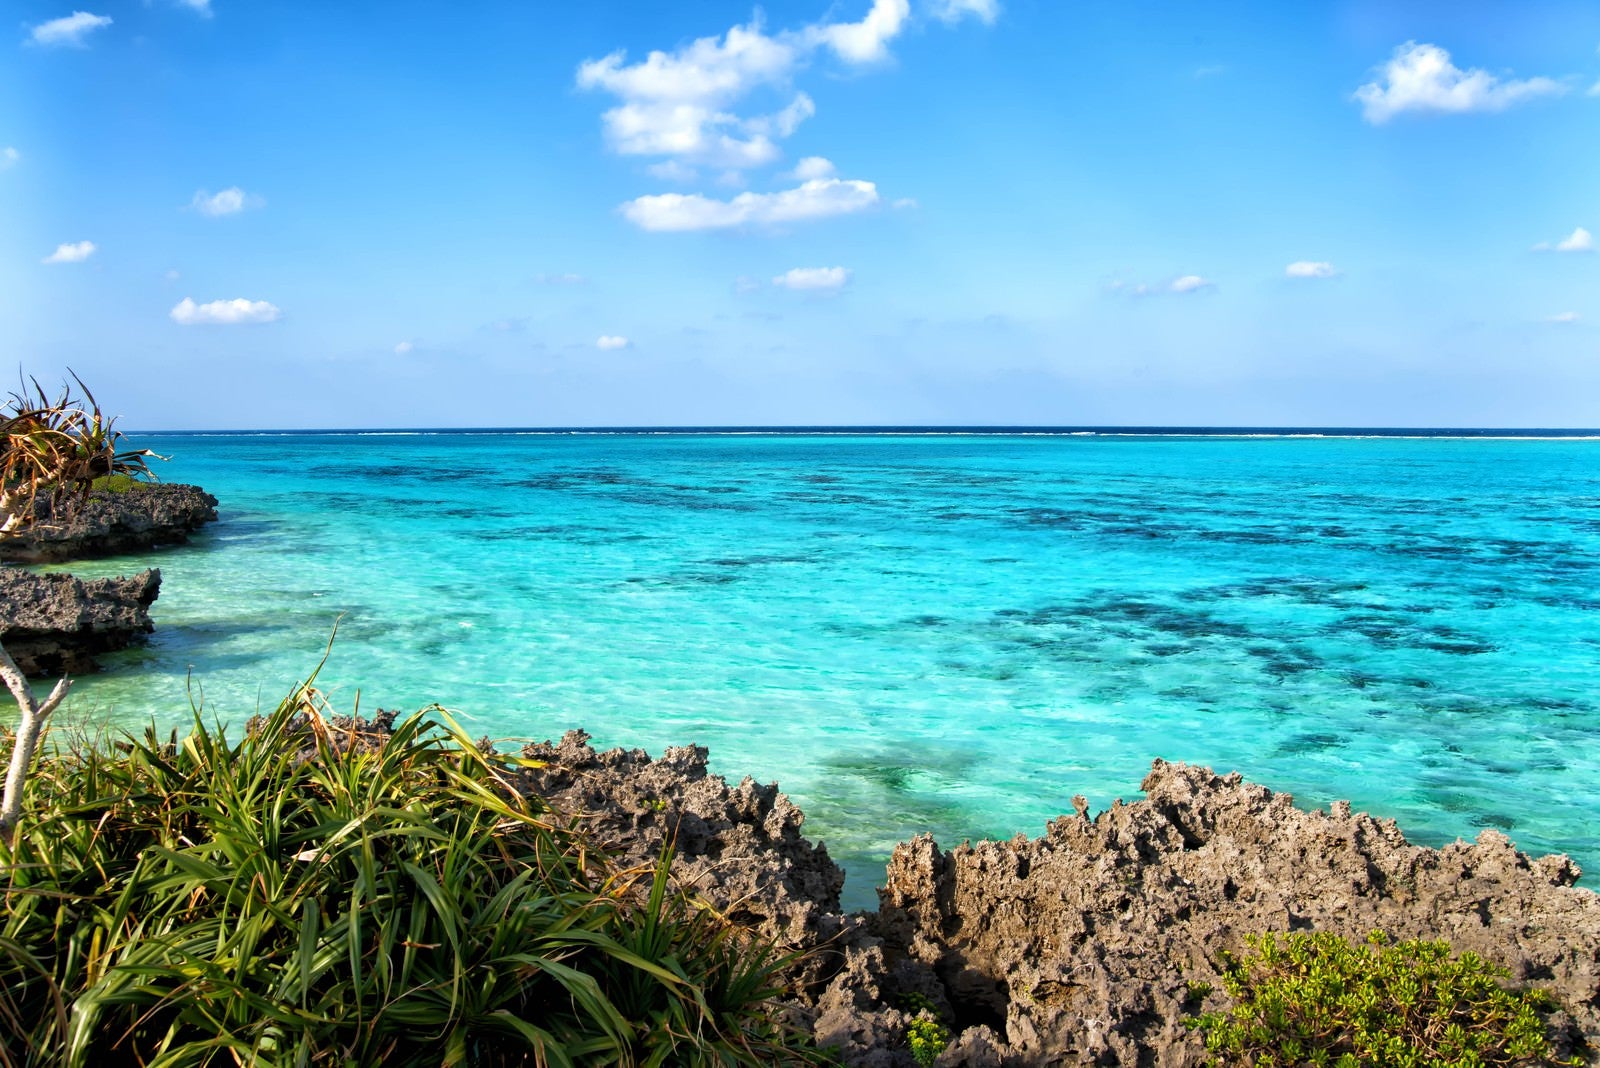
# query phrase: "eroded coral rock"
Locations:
[[58, 624], [1086, 937], [108, 524], [1077, 947]]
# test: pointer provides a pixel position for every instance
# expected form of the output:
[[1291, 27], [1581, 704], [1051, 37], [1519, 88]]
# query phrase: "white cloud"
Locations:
[[814, 279], [816, 199], [866, 41], [68, 30], [1563, 317], [685, 104], [224, 312], [559, 279], [611, 341], [229, 201], [675, 104], [199, 7], [985, 11], [1210, 70], [403, 348], [8, 158], [172, 274], [812, 167], [1421, 77], [1310, 269], [746, 284], [1580, 240], [1188, 283], [71, 252]]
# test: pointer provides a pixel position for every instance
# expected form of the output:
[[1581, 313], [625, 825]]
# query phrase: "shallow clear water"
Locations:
[[946, 633]]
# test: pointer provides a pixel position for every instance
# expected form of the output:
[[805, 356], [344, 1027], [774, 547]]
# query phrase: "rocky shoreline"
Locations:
[[1088, 945], [57, 624], [106, 523], [54, 624], [1078, 947]]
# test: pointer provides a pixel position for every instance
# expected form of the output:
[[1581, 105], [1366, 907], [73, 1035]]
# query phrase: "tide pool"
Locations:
[[944, 633]]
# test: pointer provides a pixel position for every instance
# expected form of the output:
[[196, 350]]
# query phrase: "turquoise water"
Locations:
[[935, 632]]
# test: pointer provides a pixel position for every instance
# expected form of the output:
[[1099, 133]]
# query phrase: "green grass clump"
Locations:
[[1315, 999], [118, 483], [292, 898]]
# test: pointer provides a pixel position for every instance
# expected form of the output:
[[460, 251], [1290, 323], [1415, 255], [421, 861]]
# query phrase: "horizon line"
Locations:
[[915, 429]]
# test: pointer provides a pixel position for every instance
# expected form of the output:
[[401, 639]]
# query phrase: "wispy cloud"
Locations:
[[1580, 240], [1210, 70], [1563, 317], [1310, 269], [230, 201], [817, 199], [1422, 78], [404, 348], [69, 30], [8, 158], [224, 312], [824, 280], [71, 252], [985, 11], [611, 342], [672, 170], [559, 279], [199, 7], [1181, 285]]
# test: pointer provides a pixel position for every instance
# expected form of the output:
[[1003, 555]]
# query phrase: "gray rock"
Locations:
[[57, 624], [1084, 940], [1077, 947], [108, 524]]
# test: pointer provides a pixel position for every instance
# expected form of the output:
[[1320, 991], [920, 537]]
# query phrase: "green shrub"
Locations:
[[306, 896], [118, 484], [927, 1038], [1314, 999]]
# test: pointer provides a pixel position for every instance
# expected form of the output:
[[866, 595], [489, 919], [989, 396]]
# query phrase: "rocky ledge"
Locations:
[[110, 523], [57, 624], [1077, 947]]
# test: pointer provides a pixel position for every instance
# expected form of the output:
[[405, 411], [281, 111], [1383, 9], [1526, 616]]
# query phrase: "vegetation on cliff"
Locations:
[[307, 895], [1315, 999], [51, 449]]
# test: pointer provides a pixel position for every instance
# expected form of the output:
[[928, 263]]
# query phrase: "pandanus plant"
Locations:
[[52, 449]]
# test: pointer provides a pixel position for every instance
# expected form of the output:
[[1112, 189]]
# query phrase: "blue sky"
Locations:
[[224, 214]]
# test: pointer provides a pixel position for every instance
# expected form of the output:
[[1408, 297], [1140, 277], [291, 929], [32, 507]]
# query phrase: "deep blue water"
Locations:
[[953, 632]]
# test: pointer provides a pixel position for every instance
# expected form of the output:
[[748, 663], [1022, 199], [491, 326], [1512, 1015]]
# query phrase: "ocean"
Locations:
[[945, 631]]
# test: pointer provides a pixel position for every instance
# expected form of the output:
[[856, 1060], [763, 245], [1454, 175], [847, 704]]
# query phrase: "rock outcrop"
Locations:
[[1077, 947], [108, 524], [58, 624], [739, 848]]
